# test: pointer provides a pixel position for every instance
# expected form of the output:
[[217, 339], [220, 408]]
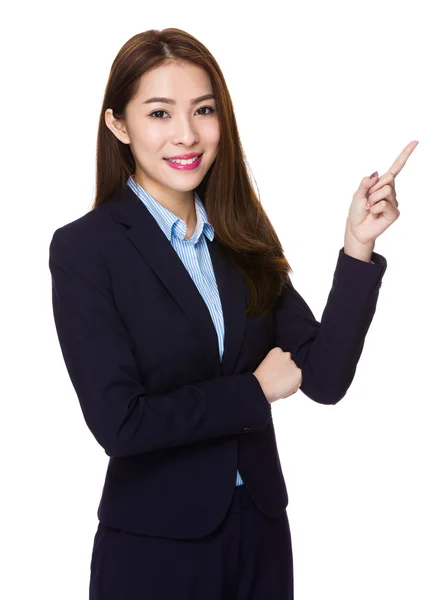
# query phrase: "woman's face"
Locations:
[[157, 129]]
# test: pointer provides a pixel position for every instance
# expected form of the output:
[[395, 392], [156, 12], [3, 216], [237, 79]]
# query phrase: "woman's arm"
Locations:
[[327, 352], [98, 354]]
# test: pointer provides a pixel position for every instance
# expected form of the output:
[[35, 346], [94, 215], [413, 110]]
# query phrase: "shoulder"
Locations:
[[90, 230]]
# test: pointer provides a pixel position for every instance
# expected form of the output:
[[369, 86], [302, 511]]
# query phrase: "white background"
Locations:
[[325, 94]]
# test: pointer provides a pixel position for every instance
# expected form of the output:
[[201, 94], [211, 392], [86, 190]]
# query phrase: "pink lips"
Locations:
[[184, 167]]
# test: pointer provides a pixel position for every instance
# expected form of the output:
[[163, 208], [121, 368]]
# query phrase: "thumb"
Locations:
[[365, 185]]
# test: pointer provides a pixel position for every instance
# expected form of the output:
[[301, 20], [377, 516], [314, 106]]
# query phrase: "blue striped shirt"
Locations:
[[193, 252]]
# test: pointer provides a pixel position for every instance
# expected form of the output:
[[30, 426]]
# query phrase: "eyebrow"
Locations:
[[171, 101]]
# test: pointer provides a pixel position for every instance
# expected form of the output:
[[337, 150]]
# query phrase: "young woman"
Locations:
[[179, 327]]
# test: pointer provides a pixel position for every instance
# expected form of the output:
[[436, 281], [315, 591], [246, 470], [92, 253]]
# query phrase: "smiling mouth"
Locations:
[[193, 159]]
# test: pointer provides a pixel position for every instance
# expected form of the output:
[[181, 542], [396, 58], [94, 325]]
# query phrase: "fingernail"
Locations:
[[373, 175]]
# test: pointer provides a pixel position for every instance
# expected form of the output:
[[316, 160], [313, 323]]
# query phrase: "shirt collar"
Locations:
[[168, 221]]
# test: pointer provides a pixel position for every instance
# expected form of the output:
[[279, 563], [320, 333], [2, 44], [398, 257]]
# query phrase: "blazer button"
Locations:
[[245, 429]]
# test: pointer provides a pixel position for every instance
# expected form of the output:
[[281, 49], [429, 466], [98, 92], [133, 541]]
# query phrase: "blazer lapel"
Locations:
[[146, 235], [232, 291]]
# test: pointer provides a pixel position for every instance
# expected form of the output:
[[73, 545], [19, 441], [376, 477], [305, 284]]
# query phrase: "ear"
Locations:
[[117, 126]]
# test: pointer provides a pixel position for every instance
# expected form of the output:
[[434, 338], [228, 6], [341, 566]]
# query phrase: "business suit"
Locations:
[[142, 354], [193, 251]]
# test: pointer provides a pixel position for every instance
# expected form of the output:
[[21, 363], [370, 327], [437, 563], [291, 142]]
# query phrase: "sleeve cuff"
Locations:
[[359, 273]]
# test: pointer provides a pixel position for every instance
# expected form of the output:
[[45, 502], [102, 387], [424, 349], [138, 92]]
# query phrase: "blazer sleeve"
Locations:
[[98, 353], [328, 351]]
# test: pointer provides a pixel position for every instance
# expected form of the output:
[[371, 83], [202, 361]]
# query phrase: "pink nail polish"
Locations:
[[373, 175]]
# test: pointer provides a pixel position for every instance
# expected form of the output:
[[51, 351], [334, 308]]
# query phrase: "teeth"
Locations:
[[184, 162]]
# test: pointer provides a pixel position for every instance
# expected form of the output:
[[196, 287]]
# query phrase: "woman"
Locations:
[[179, 327]]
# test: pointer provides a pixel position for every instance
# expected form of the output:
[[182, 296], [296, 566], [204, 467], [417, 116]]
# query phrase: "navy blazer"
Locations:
[[142, 353]]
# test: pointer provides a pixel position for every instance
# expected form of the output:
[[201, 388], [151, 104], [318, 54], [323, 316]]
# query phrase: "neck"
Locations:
[[181, 204]]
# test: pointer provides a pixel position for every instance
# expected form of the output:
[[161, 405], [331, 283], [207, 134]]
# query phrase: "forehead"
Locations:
[[176, 80]]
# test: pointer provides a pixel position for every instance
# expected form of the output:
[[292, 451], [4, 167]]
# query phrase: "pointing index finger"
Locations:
[[399, 163]]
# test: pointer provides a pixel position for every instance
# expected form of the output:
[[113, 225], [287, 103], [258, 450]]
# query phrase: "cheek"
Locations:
[[212, 134], [150, 140]]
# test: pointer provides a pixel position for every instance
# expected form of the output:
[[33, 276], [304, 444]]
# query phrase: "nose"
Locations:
[[184, 132]]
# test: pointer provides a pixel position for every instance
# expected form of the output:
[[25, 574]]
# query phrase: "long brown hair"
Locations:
[[233, 208]]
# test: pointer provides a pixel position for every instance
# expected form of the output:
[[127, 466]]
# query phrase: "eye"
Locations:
[[211, 110], [152, 115]]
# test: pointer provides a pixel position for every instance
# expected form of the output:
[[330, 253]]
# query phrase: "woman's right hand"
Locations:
[[278, 375]]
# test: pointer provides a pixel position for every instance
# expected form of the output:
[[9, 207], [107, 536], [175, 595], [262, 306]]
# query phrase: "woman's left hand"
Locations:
[[374, 205]]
